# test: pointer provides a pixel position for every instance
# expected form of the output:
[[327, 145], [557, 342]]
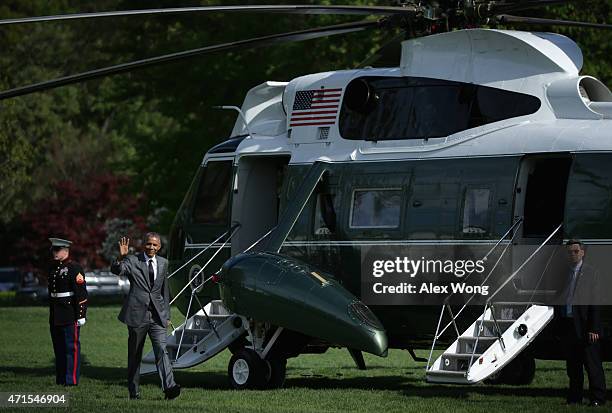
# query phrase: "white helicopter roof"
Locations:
[[498, 58], [575, 112]]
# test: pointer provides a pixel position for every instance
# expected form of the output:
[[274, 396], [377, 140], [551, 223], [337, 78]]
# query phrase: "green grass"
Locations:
[[315, 383], [7, 298]]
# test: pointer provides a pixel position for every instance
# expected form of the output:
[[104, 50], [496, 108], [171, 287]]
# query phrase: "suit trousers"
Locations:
[[580, 353], [157, 333]]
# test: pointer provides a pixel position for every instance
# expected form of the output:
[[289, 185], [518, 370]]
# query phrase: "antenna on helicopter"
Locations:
[[240, 113]]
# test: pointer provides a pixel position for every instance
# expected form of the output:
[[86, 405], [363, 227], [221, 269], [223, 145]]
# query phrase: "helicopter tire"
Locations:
[[520, 371], [278, 372], [246, 370]]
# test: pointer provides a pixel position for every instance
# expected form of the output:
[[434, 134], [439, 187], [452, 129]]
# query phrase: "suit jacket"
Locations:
[[586, 314], [141, 294]]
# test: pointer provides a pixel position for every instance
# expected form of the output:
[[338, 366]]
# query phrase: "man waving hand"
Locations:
[[146, 310]]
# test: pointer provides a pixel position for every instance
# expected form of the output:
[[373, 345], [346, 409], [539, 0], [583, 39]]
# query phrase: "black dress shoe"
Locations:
[[173, 392], [135, 396]]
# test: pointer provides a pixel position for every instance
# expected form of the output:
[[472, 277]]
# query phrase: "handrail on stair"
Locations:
[[204, 250], [234, 229], [447, 299], [489, 302], [446, 306]]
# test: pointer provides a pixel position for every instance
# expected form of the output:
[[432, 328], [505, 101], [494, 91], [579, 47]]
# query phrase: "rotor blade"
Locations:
[[241, 44], [380, 52], [523, 5], [288, 9], [508, 19]]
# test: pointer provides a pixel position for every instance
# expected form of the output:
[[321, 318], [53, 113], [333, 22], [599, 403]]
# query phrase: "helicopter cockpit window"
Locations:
[[376, 208], [390, 108], [476, 211], [212, 201]]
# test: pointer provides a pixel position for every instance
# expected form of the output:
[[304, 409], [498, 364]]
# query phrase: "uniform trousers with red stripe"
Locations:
[[67, 349]]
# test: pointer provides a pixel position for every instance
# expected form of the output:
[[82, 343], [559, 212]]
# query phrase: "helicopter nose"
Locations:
[[295, 295]]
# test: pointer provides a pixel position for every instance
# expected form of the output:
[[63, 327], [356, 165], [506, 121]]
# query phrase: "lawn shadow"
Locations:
[[20, 371], [187, 379], [105, 374], [118, 376], [415, 386], [409, 381]]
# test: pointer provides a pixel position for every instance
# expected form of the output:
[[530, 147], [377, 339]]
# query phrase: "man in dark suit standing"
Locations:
[[581, 328], [146, 310]]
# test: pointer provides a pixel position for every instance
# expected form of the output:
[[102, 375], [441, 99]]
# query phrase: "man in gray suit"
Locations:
[[146, 310]]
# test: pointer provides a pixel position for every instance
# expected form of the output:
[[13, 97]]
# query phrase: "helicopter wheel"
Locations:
[[520, 371], [246, 370], [278, 372]]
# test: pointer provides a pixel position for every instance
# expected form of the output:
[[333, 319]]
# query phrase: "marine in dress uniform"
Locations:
[[68, 307]]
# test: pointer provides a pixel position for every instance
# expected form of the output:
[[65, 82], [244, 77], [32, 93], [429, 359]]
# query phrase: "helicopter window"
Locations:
[[418, 108], [212, 200], [376, 208], [476, 211], [325, 215]]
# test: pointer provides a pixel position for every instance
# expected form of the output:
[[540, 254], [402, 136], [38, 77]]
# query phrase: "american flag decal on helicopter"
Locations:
[[315, 107]]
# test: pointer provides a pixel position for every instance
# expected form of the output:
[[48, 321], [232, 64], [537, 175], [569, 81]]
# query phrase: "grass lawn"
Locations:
[[315, 383]]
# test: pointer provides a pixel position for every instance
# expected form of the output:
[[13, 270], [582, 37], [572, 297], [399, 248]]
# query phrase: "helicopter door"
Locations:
[[540, 194], [256, 198], [540, 199], [204, 216]]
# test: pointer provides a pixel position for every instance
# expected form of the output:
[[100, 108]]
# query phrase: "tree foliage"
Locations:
[[86, 215]]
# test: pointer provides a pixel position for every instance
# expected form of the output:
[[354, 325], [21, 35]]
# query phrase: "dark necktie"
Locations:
[[570, 294], [151, 273]]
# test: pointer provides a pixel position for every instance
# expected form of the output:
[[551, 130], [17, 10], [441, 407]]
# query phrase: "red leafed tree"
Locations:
[[79, 215]]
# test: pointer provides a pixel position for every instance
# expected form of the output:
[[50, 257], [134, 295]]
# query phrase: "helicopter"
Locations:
[[481, 143]]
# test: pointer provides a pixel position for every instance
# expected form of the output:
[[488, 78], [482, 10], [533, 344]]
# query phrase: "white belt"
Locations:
[[62, 295]]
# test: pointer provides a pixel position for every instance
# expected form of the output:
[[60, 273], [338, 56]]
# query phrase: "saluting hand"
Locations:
[[124, 246], [593, 338]]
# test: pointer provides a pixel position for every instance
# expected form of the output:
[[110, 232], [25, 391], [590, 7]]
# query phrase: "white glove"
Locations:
[[81, 322]]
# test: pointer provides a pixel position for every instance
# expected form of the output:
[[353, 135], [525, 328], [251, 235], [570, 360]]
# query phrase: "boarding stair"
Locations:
[[495, 338], [490, 343], [205, 334]]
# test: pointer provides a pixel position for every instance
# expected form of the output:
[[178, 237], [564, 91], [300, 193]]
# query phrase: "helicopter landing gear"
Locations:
[[238, 344], [249, 368], [278, 372], [246, 370]]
